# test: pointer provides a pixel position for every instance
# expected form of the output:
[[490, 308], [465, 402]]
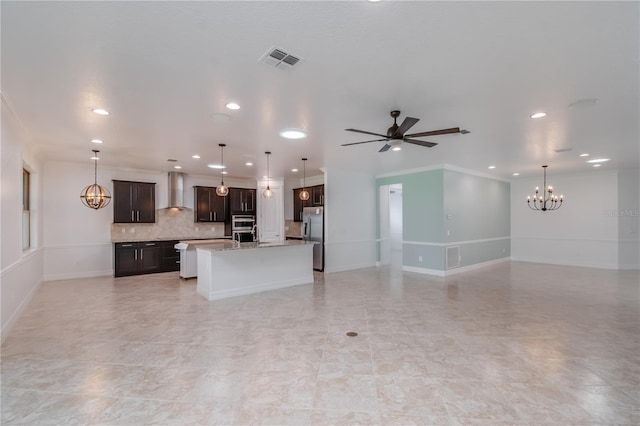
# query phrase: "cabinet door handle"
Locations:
[[214, 216], [141, 254], [132, 219], [210, 217], [150, 244], [138, 216], [127, 245], [135, 254]]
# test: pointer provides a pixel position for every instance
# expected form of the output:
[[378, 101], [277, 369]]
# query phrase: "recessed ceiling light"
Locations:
[[492, 167], [96, 141], [597, 165], [219, 116], [196, 156], [248, 163], [584, 155], [177, 167], [294, 170], [215, 166], [232, 105], [598, 160], [586, 102], [538, 115], [516, 174], [100, 111], [293, 134]]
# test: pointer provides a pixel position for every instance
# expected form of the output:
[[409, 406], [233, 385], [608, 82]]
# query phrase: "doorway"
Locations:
[[391, 225]]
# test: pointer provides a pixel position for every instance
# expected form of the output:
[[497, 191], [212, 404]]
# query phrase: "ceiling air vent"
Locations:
[[279, 58]]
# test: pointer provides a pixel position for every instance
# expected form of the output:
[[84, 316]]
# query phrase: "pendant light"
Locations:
[[221, 189], [547, 201], [268, 193], [95, 196], [304, 194]]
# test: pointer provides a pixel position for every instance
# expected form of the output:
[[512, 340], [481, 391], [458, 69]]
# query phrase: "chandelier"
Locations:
[[268, 193], [95, 196], [221, 189], [547, 201]]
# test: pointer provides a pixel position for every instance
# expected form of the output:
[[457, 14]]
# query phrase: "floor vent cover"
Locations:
[[453, 257], [279, 58]]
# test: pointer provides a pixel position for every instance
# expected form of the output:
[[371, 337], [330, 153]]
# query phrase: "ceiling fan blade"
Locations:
[[406, 125], [356, 143], [421, 143], [365, 132], [385, 148], [435, 132]]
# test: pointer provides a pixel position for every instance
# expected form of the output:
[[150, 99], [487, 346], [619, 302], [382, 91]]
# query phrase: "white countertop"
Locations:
[[230, 245]]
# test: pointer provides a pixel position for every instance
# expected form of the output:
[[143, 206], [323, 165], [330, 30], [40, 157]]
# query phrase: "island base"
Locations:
[[231, 273]]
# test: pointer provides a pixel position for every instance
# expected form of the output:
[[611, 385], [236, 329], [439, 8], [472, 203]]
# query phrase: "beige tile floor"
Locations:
[[515, 343]]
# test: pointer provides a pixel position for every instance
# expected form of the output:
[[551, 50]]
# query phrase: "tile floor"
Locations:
[[515, 343]]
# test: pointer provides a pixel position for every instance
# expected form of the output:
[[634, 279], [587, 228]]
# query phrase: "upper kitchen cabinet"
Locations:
[[242, 201], [317, 195], [210, 207], [134, 202], [299, 205]]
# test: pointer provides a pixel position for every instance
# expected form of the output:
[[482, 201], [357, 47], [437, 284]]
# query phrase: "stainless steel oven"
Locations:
[[243, 227]]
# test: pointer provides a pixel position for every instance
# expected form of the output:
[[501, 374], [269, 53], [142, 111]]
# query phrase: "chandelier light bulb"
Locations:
[[547, 202]]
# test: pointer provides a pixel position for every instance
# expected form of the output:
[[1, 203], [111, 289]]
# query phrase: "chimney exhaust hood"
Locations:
[[176, 190]]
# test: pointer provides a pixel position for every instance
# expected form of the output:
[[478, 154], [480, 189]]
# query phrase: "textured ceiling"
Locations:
[[165, 69]]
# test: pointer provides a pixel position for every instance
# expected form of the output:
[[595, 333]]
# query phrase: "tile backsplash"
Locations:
[[171, 224], [295, 228]]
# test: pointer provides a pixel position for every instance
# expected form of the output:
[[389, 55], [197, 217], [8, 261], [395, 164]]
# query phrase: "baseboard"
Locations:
[[225, 294], [74, 275], [350, 267], [579, 264], [7, 327], [454, 271]]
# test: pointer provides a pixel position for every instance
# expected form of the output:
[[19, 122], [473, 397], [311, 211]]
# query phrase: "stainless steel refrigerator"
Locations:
[[313, 230]]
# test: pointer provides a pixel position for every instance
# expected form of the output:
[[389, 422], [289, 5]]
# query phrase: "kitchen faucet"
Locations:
[[253, 231]]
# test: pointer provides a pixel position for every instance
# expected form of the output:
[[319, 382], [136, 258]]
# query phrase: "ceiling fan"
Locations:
[[396, 134]]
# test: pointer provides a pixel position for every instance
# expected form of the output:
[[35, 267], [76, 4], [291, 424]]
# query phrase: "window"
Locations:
[[26, 213]]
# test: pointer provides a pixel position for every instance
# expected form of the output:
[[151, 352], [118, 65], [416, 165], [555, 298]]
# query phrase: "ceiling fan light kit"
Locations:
[[396, 135], [545, 202]]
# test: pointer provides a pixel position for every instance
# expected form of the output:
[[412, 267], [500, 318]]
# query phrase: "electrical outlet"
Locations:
[[197, 229], [419, 258], [124, 230], [448, 232], [213, 228], [132, 230]]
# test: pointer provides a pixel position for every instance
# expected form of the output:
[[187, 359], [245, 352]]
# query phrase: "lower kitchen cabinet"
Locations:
[[145, 257]]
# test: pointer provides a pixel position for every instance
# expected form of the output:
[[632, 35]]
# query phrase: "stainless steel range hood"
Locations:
[[176, 190]]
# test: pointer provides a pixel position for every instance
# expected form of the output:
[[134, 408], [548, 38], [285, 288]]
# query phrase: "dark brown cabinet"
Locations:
[[242, 201], [137, 258], [317, 195], [170, 256], [145, 257], [134, 202], [299, 205], [210, 207]]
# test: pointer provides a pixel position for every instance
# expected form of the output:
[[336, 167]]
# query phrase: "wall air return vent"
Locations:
[[453, 257], [279, 58]]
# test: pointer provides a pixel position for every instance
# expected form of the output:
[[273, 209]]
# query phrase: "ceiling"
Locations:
[[165, 71]]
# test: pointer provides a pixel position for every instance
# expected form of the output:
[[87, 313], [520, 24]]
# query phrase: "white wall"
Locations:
[[350, 220], [20, 271], [580, 233], [628, 219]]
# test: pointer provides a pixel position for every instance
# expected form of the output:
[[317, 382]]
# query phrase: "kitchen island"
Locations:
[[232, 269]]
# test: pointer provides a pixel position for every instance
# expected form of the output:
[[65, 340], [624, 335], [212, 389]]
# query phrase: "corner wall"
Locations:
[[448, 208], [20, 271], [350, 220]]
